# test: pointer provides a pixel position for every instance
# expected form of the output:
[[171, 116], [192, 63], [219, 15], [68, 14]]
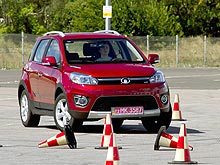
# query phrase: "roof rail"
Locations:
[[55, 32], [108, 31]]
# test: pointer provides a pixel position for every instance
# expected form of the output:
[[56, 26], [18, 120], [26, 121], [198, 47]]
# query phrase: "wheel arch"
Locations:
[[59, 90], [21, 88]]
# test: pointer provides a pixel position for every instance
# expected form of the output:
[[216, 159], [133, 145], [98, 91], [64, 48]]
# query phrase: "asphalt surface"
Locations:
[[178, 78], [199, 93]]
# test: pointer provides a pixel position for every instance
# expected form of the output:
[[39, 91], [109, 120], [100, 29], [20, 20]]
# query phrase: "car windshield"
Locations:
[[101, 51]]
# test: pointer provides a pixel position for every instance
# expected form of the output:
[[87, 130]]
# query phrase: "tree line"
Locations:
[[129, 17]]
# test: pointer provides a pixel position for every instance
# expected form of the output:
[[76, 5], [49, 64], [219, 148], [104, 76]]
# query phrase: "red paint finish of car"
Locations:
[[68, 77]]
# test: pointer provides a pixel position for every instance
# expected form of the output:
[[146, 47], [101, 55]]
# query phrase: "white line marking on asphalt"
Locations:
[[8, 82], [8, 98], [209, 75]]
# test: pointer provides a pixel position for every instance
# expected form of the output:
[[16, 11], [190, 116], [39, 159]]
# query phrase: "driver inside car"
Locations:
[[104, 52]]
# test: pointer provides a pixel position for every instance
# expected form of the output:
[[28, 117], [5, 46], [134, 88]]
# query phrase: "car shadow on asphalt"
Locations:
[[125, 129], [132, 129], [176, 130]]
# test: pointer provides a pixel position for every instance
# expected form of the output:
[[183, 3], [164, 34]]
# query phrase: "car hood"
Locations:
[[115, 70]]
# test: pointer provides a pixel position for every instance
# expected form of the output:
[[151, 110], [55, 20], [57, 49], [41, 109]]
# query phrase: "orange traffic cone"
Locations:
[[166, 140], [182, 151], [112, 155], [107, 131], [176, 113], [62, 138]]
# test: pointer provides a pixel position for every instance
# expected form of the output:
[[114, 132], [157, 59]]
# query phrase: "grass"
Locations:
[[190, 50]]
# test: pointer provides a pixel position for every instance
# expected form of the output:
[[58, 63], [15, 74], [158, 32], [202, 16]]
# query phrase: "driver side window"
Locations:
[[54, 50], [40, 51]]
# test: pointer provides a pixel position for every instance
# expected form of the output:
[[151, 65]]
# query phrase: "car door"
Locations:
[[34, 71], [49, 76]]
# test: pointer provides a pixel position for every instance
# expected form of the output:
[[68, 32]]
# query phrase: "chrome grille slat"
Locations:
[[133, 80]]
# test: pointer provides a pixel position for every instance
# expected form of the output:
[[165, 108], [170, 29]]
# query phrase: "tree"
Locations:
[[144, 17], [54, 15], [83, 15], [21, 16], [197, 17], [131, 17]]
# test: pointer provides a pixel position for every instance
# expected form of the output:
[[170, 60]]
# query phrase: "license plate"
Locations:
[[134, 110]]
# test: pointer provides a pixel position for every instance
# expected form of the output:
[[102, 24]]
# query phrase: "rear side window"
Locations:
[[40, 51]]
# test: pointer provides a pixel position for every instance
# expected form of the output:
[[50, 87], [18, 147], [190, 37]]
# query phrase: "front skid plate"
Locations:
[[102, 114]]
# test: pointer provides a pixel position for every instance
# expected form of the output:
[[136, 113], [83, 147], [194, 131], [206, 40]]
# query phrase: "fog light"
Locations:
[[164, 98], [81, 100]]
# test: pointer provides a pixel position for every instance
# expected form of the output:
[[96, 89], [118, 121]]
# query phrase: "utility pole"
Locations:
[[107, 14]]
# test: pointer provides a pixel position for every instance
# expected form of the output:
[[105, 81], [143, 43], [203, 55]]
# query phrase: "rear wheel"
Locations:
[[27, 118], [62, 116], [153, 124]]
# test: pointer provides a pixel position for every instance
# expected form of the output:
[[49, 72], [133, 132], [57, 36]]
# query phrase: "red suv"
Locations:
[[77, 77]]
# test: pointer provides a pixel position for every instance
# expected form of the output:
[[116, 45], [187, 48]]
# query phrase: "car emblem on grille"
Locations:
[[125, 80]]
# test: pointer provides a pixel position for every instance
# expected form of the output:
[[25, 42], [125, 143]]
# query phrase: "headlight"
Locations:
[[157, 77], [80, 78]]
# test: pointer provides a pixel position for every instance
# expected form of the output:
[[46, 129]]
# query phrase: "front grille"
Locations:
[[117, 81], [105, 103]]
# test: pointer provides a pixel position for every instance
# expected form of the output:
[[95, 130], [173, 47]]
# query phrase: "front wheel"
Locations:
[[27, 118], [153, 124], [62, 116]]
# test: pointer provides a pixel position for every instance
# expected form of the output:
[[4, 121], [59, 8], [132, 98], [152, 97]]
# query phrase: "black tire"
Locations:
[[27, 118], [117, 123], [61, 115], [76, 124], [153, 124]]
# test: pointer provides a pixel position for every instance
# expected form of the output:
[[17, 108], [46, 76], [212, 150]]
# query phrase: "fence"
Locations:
[[182, 52], [174, 51], [15, 49]]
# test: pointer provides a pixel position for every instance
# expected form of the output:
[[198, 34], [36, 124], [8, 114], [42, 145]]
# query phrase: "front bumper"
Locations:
[[103, 98]]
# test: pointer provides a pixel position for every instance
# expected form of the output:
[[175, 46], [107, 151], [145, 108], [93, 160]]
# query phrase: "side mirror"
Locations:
[[153, 58], [49, 60]]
